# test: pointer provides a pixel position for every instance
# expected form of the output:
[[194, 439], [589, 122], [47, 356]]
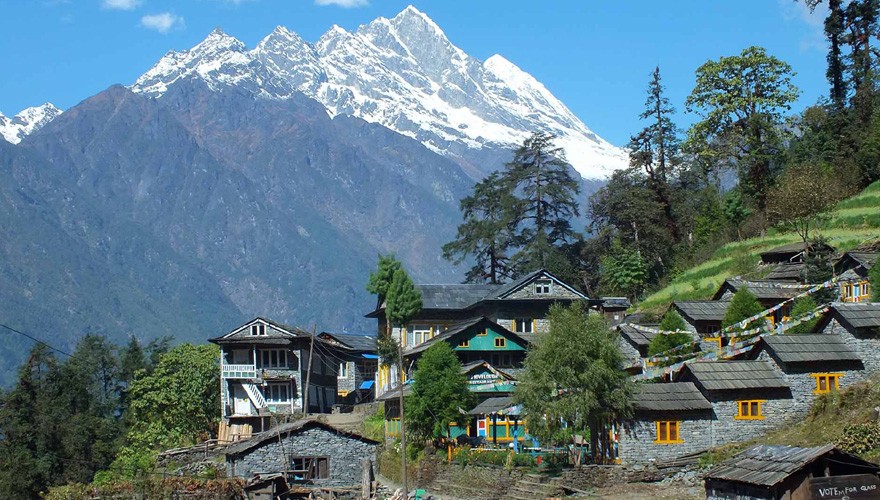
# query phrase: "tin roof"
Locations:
[[809, 348], [735, 375], [674, 396], [767, 465]]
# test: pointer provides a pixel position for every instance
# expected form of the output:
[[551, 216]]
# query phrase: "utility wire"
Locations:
[[35, 340]]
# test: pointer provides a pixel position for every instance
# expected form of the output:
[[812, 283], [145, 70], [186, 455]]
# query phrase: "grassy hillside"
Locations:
[[854, 221]]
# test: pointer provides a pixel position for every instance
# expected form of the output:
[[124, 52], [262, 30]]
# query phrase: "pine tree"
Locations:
[[654, 150], [802, 306], [439, 390], [743, 305], [380, 280], [486, 232], [671, 322], [546, 194], [402, 303]]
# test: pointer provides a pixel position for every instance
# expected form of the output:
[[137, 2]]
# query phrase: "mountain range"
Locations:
[[228, 182]]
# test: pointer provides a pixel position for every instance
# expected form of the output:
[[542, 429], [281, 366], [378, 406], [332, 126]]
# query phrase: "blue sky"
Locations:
[[596, 56]]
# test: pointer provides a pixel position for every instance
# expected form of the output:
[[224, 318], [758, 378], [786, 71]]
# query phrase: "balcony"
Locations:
[[239, 371]]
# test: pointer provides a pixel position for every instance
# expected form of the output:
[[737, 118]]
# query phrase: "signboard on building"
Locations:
[[845, 487]]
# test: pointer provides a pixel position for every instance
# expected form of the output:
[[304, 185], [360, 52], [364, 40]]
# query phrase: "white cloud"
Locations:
[[121, 4], [163, 23], [348, 4], [814, 20]]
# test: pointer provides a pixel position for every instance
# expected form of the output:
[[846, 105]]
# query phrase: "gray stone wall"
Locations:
[[557, 291], [344, 456], [350, 381], [727, 428], [867, 347], [629, 352], [636, 441]]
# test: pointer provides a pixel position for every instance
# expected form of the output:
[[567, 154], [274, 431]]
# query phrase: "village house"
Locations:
[[851, 270], [670, 420], [518, 308], [858, 324], [264, 366], [811, 365], [703, 318], [357, 364], [787, 262], [769, 294], [748, 398], [787, 472], [614, 309], [634, 341], [305, 451]]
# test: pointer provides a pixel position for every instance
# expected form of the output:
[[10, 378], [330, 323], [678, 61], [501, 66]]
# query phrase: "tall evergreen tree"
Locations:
[[740, 99], [654, 150], [381, 278], [546, 200], [486, 232], [743, 305]]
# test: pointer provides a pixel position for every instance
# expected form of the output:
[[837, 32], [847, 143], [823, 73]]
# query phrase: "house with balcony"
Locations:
[[264, 369], [518, 308]]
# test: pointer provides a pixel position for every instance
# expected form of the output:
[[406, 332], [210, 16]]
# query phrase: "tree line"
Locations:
[[747, 164]]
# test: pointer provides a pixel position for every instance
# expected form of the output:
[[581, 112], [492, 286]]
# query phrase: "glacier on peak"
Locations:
[[402, 73], [27, 121]]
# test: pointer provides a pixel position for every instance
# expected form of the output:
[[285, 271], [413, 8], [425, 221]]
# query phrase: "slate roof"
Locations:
[[783, 250], [866, 259], [354, 342], [636, 335], [674, 396], [735, 375], [787, 272], [287, 429], [621, 302], [702, 310], [809, 348], [492, 405], [767, 466], [768, 290], [860, 314]]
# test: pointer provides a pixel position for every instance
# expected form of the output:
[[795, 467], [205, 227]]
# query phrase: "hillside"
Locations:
[[854, 221]]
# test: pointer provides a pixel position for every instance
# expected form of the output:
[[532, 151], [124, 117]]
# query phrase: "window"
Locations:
[[826, 382], [500, 342], [273, 358], [856, 292], [523, 325], [501, 360], [343, 370], [307, 468], [419, 334], [464, 343], [258, 329], [750, 410], [715, 339], [483, 333], [543, 287], [277, 393], [667, 432]]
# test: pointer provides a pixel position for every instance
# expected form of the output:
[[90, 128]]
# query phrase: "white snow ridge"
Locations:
[[29, 120], [402, 73]]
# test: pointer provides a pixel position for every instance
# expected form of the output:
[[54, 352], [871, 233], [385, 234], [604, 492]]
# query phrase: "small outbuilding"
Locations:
[[792, 473], [305, 451]]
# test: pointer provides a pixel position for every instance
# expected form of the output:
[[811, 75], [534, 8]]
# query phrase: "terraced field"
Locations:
[[854, 221]]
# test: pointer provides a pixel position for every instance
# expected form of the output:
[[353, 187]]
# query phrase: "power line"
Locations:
[[36, 340]]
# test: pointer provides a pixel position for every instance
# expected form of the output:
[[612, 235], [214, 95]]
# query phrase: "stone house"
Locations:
[[748, 397], [670, 420], [357, 363], [634, 341], [519, 307], [851, 270], [810, 365], [703, 318], [859, 326], [768, 292], [263, 369], [787, 472], [306, 451]]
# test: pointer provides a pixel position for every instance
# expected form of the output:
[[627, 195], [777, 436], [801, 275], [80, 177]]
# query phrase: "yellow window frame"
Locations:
[[828, 378], [483, 333], [667, 432], [750, 409], [500, 342], [714, 339], [465, 343]]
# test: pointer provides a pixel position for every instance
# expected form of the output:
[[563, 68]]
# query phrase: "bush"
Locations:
[[800, 307], [860, 438]]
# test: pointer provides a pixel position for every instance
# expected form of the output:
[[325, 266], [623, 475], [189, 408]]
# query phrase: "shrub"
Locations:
[[860, 438]]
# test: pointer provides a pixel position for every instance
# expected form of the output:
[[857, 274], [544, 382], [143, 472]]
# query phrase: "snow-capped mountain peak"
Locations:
[[403, 73], [27, 121]]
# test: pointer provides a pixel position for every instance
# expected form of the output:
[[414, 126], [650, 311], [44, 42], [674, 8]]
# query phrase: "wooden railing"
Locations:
[[239, 371]]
